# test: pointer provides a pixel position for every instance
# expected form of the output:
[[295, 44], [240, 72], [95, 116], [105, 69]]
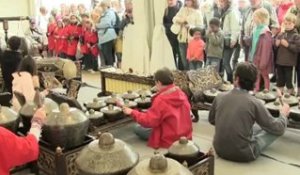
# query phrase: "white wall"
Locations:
[[11, 8]]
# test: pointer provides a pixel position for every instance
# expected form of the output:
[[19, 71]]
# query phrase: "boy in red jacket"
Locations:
[[14, 150], [50, 35], [169, 116], [73, 33], [89, 47], [195, 50], [60, 39]]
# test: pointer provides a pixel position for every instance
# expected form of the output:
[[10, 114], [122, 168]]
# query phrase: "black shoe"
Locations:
[[273, 79], [195, 116], [195, 120]]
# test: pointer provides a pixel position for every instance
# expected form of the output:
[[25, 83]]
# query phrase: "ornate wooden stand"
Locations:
[[59, 161]]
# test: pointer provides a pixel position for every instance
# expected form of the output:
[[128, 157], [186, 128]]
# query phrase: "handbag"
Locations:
[[175, 28], [227, 41]]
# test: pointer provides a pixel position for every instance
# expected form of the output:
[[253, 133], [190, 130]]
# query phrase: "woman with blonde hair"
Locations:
[[261, 49], [188, 17]]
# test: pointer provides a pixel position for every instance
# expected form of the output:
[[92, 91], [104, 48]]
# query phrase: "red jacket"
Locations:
[[282, 10], [15, 151], [195, 50], [169, 117], [73, 33], [90, 42], [61, 43], [50, 35]]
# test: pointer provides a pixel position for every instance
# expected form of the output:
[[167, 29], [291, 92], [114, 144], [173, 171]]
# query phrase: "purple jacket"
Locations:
[[263, 57]]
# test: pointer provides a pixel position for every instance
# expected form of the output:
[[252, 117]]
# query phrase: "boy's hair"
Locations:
[[215, 21], [14, 43], [263, 15], [247, 74], [290, 18], [85, 15], [164, 76], [197, 29]]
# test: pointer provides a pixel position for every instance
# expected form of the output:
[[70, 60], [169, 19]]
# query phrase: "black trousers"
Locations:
[[298, 71], [90, 62], [107, 53], [71, 57], [236, 56], [284, 76], [175, 48]]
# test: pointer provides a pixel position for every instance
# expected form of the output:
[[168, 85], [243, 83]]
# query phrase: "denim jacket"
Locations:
[[105, 27]]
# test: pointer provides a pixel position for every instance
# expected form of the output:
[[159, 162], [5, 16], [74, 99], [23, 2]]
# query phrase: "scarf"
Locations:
[[255, 38]]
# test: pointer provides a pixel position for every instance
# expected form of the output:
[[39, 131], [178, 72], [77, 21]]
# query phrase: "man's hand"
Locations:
[[284, 43], [127, 110], [285, 110]]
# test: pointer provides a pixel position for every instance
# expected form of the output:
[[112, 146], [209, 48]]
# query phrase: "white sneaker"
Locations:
[[91, 71]]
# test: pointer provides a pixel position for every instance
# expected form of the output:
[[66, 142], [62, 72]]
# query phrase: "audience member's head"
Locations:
[[289, 21], [14, 43], [261, 16], [214, 24]]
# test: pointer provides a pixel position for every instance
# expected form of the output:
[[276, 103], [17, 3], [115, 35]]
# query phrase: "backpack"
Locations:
[[117, 25]]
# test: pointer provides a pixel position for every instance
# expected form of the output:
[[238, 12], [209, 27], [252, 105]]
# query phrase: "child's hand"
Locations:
[[277, 42], [284, 43], [127, 110]]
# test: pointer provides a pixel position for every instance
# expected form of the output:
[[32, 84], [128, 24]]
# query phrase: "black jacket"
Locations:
[[288, 56], [9, 61], [170, 12]]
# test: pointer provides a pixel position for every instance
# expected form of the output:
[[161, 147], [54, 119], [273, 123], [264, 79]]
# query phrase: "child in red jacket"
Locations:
[[169, 118], [16, 151], [50, 35], [89, 47], [73, 33], [195, 50], [60, 39]]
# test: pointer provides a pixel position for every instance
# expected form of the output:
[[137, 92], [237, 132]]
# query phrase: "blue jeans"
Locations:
[[183, 50], [194, 65], [215, 62], [227, 54], [141, 132], [263, 138]]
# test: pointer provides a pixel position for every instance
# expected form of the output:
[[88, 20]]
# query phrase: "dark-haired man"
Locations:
[[169, 116], [9, 61], [234, 115]]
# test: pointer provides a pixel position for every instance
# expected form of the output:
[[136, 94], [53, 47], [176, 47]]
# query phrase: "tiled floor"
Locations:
[[286, 149]]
